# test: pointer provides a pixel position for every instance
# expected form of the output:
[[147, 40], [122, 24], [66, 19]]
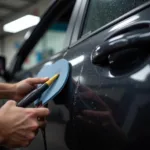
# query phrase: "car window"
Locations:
[[101, 12], [51, 42]]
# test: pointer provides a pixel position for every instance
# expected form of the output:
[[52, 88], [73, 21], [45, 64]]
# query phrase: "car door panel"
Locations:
[[109, 111]]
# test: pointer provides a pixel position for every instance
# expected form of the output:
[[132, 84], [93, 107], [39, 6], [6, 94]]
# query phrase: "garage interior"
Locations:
[[11, 41]]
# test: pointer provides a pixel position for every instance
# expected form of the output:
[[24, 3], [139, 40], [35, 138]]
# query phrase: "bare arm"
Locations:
[[7, 91], [18, 90]]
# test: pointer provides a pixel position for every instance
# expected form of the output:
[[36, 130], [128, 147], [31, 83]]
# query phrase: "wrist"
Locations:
[[13, 90], [9, 92], [11, 87]]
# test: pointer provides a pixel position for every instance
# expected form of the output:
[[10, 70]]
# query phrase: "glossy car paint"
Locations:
[[105, 110], [115, 111]]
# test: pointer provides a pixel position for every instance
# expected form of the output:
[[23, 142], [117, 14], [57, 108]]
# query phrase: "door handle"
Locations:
[[128, 40]]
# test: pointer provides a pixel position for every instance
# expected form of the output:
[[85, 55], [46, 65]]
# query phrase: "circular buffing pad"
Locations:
[[60, 67]]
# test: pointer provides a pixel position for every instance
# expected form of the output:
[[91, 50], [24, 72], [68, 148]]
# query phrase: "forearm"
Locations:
[[7, 91]]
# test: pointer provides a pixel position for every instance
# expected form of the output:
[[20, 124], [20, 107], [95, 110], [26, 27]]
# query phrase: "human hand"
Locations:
[[18, 126], [22, 88]]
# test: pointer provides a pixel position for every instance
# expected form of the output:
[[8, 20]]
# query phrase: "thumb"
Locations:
[[34, 81], [10, 103]]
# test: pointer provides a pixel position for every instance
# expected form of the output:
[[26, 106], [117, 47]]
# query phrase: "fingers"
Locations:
[[20, 142], [31, 136], [38, 112], [10, 103], [37, 115], [38, 124], [24, 143], [34, 81], [41, 112]]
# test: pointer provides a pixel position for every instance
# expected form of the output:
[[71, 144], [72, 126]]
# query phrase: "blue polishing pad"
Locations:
[[60, 67]]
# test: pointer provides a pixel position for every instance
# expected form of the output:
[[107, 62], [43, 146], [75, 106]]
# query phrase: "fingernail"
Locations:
[[46, 78]]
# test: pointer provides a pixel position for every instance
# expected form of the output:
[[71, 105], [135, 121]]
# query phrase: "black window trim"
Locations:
[[80, 20], [76, 40], [72, 23]]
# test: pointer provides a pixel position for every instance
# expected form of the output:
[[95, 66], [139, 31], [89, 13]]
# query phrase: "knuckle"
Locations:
[[28, 79], [35, 126], [11, 102], [31, 136], [47, 111], [31, 112]]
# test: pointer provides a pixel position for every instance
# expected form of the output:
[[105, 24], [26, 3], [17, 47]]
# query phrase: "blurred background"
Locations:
[[27, 13]]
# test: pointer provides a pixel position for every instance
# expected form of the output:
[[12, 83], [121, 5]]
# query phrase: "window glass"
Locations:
[[101, 12], [51, 43]]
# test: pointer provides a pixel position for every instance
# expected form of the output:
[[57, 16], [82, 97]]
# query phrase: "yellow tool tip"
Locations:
[[51, 80]]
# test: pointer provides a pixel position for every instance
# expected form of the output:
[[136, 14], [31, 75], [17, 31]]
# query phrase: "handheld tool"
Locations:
[[31, 97], [49, 70], [35, 94]]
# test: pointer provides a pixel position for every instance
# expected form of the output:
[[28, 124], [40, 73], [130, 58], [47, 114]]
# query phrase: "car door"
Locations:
[[111, 101]]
